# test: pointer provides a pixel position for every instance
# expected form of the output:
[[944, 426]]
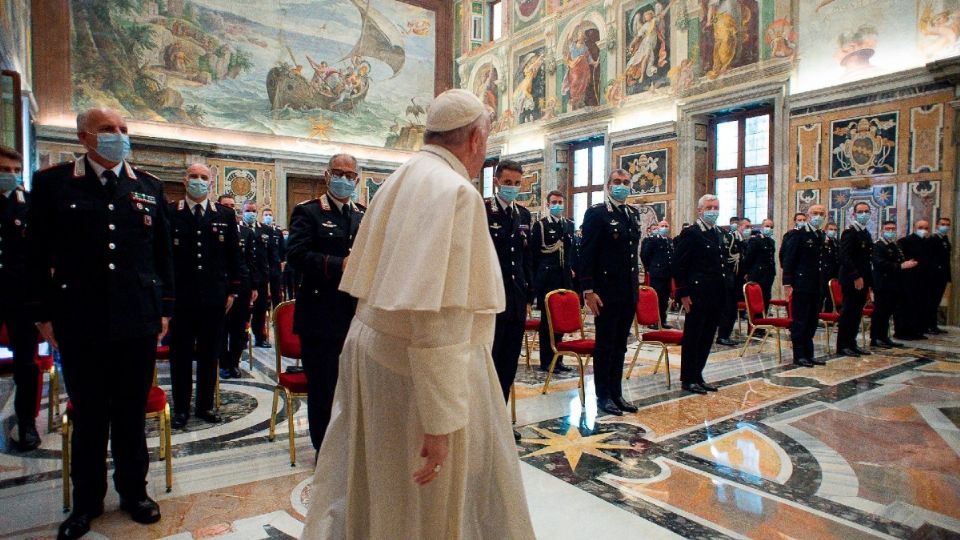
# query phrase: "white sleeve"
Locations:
[[439, 354]]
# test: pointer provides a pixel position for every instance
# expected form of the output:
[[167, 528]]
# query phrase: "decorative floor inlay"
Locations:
[[747, 451], [846, 368]]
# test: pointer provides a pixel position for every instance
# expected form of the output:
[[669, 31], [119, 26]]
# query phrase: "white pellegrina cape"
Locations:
[[417, 360]]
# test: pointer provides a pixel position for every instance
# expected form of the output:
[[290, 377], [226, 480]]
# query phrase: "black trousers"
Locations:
[[289, 284], [321, 362], [507, 343], [613, 327], [728, 312], [699, 331], [26, 375], [850, 313], [806, 317], [258, 317], [276, 289], [662, 286], [914, 292], [766, 287], [234, 339], [936, 288], [108, 384], [195, 334], [885, 304]]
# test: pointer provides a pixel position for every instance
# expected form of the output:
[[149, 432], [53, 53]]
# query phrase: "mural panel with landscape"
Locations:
[[357, 71]]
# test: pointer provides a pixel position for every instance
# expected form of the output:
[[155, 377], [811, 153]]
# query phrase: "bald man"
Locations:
[[801, 260], [206, 263]]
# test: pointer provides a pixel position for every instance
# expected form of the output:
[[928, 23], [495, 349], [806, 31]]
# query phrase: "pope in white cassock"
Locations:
[[420, 446]]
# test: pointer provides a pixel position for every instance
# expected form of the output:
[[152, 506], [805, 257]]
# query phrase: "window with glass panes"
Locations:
[[741, 157], [486, 177], [496, 20], [587, 176]]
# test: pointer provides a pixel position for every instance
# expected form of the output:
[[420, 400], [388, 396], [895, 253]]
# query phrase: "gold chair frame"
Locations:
[[664, 352], [279, 389], [581, 364], [753, 328]]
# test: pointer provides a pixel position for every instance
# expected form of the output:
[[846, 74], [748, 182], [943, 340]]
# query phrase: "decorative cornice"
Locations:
[[917, 77], [654, 132], [523, 158]]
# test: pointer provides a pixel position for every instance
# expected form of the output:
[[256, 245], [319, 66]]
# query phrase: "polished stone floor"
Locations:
[[865, 447]]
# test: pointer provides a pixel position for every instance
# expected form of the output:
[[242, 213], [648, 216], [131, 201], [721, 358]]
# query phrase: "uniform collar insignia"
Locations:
[[20, 198], [495, 225], [80, 168], [130, 173], [182, 204], [329, 224], [614, 222]]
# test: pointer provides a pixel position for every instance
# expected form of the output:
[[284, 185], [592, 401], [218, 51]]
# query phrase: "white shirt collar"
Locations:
[[504, 205], [703, 225], [100, 169], [204, 206], [337, 203], [856, 225]]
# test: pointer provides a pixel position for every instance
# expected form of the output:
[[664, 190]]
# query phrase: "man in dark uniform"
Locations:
[[733, 245], [939, 274], [914, 285], [509, 226], [610, 275], [551, 248], [288, 276], [277, 256], [800, 256], [321, 235], [206, 267], [701, 288], [856, 275], [888, 266], [21, 332], [656, 253], [759, 259], [101, 288], [253, 266], [831, 265], [266, 249]]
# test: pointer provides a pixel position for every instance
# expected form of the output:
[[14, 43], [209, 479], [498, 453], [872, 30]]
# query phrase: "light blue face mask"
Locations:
[[9, 181], [620, 192], [509, 193], [341, 187], [767, 231], [268, 219], [863, 218], [664, 231], [942, 230], [831, 233], [889, 236], [817, 221], [922, 233], [799, 224], [710, 217], [197, 187], [249, 218], [556, 210], [113, 147]]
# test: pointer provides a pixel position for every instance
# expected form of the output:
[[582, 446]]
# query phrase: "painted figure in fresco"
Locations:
[[648, 48], [781, 37], [524, 102], [727, 31], [488, 92], [582, 59], [939, 32]]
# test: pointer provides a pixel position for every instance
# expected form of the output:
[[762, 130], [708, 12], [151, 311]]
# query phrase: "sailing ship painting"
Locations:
[[331, 70]]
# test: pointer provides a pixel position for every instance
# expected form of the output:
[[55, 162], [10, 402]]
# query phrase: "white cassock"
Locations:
[[417, 360]]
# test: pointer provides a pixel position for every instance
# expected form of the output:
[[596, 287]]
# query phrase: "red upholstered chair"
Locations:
[[531, 325], [757, 319], [674, 303], [291, 385], [564, 317], [157, 407], [648, 314], [836, 294], [250, 338], [780, 303], [45, 365], [741, 308]]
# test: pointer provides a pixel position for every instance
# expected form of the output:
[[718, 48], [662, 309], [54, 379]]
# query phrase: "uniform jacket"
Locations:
[[801, 260], [856, 249], [656, 253], [270, 238], [248, 256], [940, 258], [733, 247], [260, 270], [609, 262], [110, 256], [551, 254], [321, 237], [831, 259], [700, 260], [918, 249], [206, 254], [759, 261], [887, 273], [13, 246], [510, 232]]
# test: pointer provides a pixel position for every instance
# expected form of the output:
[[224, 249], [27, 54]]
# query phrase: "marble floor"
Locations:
[[859, 448]]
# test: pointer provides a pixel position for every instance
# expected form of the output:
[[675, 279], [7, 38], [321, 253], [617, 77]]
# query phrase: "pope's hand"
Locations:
[[435, 448]]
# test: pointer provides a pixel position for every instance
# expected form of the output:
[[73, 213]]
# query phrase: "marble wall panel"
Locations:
[[926, 138]]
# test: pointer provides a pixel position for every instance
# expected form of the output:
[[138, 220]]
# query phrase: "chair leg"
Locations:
[[513, 402], [526, 346], [779, 348], [293, 447], [161, 425], [53, 386], [273, 413], [65, 461], [666, 353], [746, 344], [582, 387], [216, 391], [169, 457], [546, 383], [663, 351], [636, 355], [250, 347]]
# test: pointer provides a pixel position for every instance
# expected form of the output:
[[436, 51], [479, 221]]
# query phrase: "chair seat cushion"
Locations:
[[579, 346], [779, 302], [868, 311], [531, 324], [295, 382], [741, 306], [777, 322], [156, 400], [830, 317], [163, 352], [43, 362], [673, 337]]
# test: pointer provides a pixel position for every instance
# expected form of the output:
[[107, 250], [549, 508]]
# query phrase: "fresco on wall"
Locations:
[[781, 37], [15, 38], [648, 171], [526, 13], [486, 88], [649, 213], [581, 72], [728, 35], [864, 146], [530, 89], [354, 72], [938, 28], [531, 183], [647, 55], [923, 202], [807, 198], [372, 181]]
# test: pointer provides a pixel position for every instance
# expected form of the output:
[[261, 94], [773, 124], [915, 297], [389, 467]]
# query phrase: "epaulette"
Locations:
[[64, 164], [308, 201], [181, 204], [360, 206], [598, 204], [21, 195], [142, 172]]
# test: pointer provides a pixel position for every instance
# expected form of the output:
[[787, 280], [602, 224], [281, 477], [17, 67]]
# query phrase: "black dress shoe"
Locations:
[[936, 330], [263, 345], [560, 368], [179, 420], [516, 436], [816, 362], [803, 362], [726, 342], [693, 388], [878, 344], [609, 407], [144, 511], [77, 524], [235, 373], [210, 416], [863, 352], [625, 405], [847, 351], [707, 387], [29, 439], [666, 326], [892, 344]]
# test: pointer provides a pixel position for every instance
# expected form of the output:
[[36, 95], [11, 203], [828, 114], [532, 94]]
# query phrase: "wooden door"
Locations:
[[303, 188]]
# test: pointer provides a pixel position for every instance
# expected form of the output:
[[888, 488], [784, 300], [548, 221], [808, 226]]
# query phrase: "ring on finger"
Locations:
[[436, 469]]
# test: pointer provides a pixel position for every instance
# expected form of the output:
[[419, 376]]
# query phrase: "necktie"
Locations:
[[111, 182], [197, 212]]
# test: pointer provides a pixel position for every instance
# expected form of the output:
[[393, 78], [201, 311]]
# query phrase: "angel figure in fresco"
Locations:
[[725, 21], [939, 32], [582, 59], [524, 102], [648, 48], [488, 92]]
